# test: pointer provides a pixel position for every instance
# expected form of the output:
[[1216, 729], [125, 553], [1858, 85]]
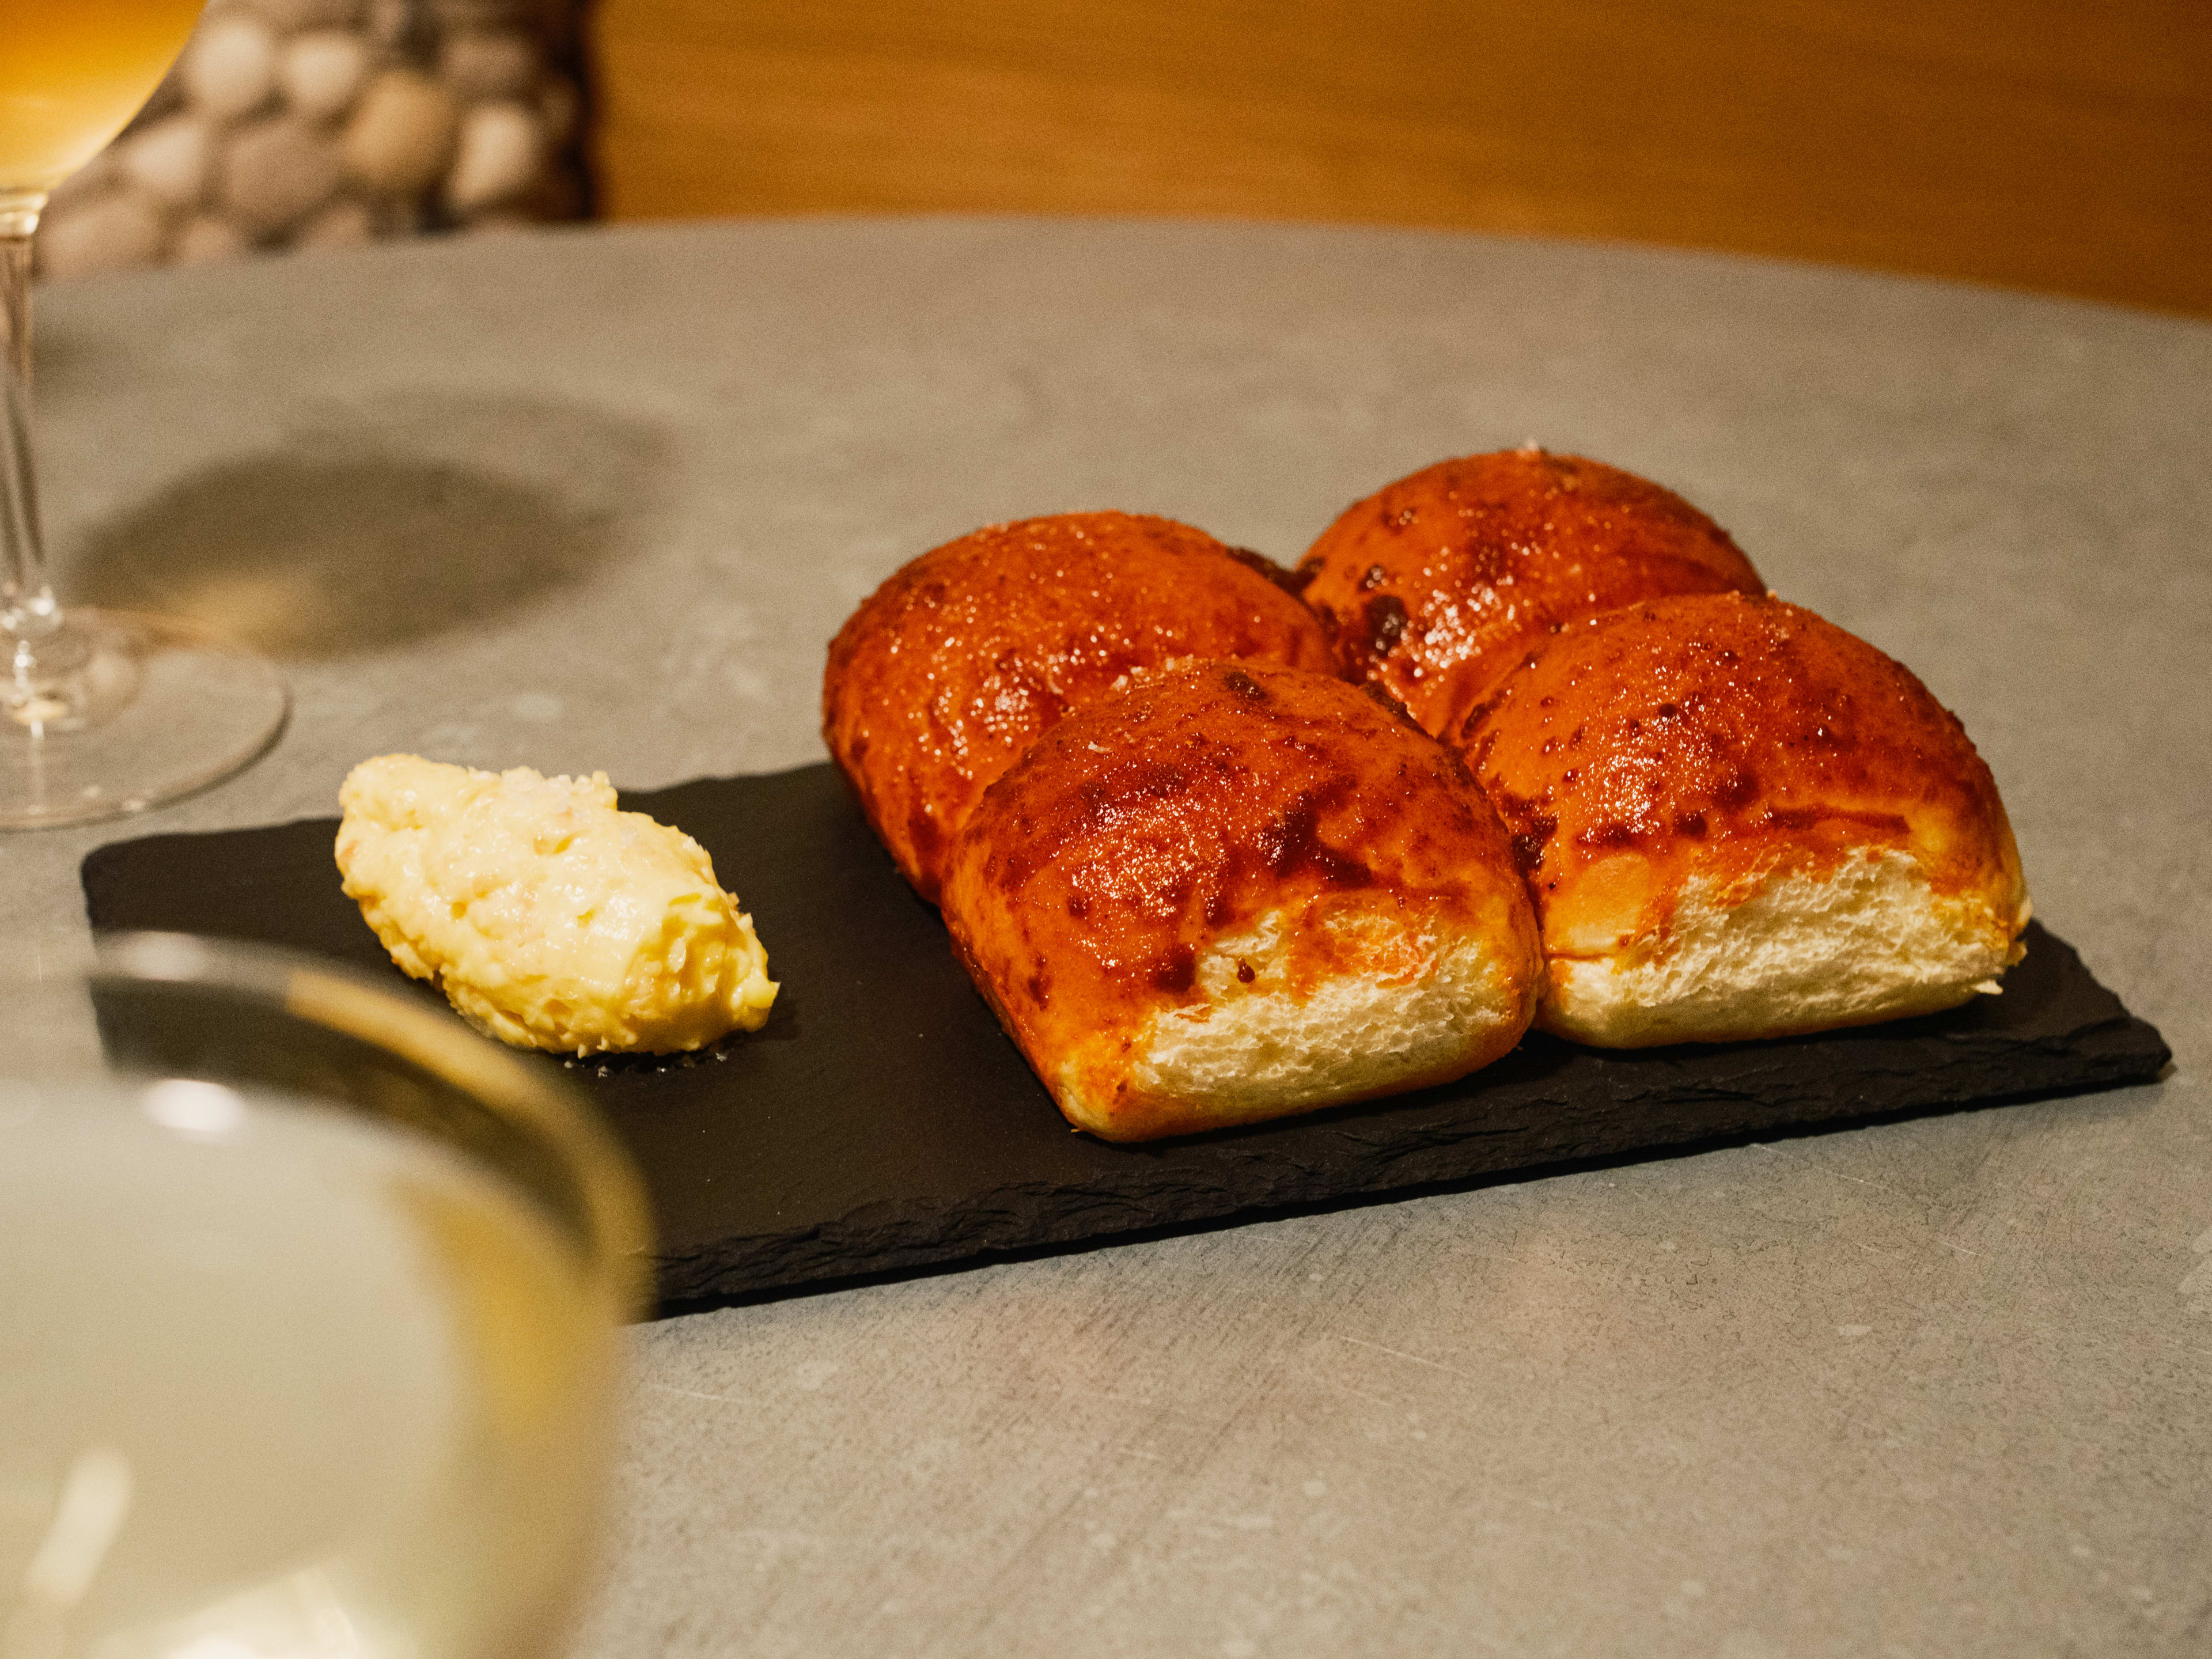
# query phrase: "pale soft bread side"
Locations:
[[1803, 951], [1738, 821], [1422, 1006], [1233, 892]]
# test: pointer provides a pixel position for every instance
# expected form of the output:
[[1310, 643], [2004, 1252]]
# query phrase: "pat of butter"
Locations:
[[549, 919]]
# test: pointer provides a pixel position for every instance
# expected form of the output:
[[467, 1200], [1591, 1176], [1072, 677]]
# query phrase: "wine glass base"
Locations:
[[142, 710]]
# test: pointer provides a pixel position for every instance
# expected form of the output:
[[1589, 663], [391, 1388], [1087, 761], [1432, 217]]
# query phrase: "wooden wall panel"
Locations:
[[2058, 146]]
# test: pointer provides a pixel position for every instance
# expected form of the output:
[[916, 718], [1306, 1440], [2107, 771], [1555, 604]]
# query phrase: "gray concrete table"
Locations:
[[599, 499]]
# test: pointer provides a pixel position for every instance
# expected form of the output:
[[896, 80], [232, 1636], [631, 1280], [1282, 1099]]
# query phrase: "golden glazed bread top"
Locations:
[[1438, 584], [1203, 801], [959, 661], [1735, 735]]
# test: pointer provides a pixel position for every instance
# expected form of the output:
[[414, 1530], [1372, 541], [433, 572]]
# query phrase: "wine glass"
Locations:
[[311, 1310], [104, 711]]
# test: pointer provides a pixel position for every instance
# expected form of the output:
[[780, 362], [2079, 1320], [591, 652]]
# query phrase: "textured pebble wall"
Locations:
[[317, 123]]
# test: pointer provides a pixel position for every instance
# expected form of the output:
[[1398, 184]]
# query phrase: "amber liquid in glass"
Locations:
[[101, 711], [71, 73]]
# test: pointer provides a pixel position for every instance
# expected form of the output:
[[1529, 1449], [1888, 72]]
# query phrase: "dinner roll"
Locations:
[[1739, 820], [1239, 891], [955, 664], [1442, 581]]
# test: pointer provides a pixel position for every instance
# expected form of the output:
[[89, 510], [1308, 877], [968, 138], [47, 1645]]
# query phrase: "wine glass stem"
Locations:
[[28, 612]]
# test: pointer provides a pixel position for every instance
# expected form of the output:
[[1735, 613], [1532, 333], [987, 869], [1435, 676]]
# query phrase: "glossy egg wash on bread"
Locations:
[[970, 654], [1736, 820], [1235, 893], [1438, 584]]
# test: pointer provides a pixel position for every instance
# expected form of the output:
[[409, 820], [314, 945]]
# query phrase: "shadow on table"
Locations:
[[412, 519]]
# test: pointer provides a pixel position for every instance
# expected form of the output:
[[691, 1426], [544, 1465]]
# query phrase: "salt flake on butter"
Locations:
[[549, 919]]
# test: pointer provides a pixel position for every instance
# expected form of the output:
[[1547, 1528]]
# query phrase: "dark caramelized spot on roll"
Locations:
[[1176, 970], [1383, 618], [1290, 580], [1291, 843], [1382, 699], [1243, 686]]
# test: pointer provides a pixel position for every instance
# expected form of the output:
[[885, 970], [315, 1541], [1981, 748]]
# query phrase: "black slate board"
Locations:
[[881, 1122]]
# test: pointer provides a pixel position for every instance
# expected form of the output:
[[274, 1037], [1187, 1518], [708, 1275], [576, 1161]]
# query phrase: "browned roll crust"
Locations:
[[958, 662], [1236, 892], [1440, 583], [1739, 820]]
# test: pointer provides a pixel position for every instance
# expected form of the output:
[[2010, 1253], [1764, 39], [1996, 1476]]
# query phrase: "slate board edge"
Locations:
[[2124, 1052]]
